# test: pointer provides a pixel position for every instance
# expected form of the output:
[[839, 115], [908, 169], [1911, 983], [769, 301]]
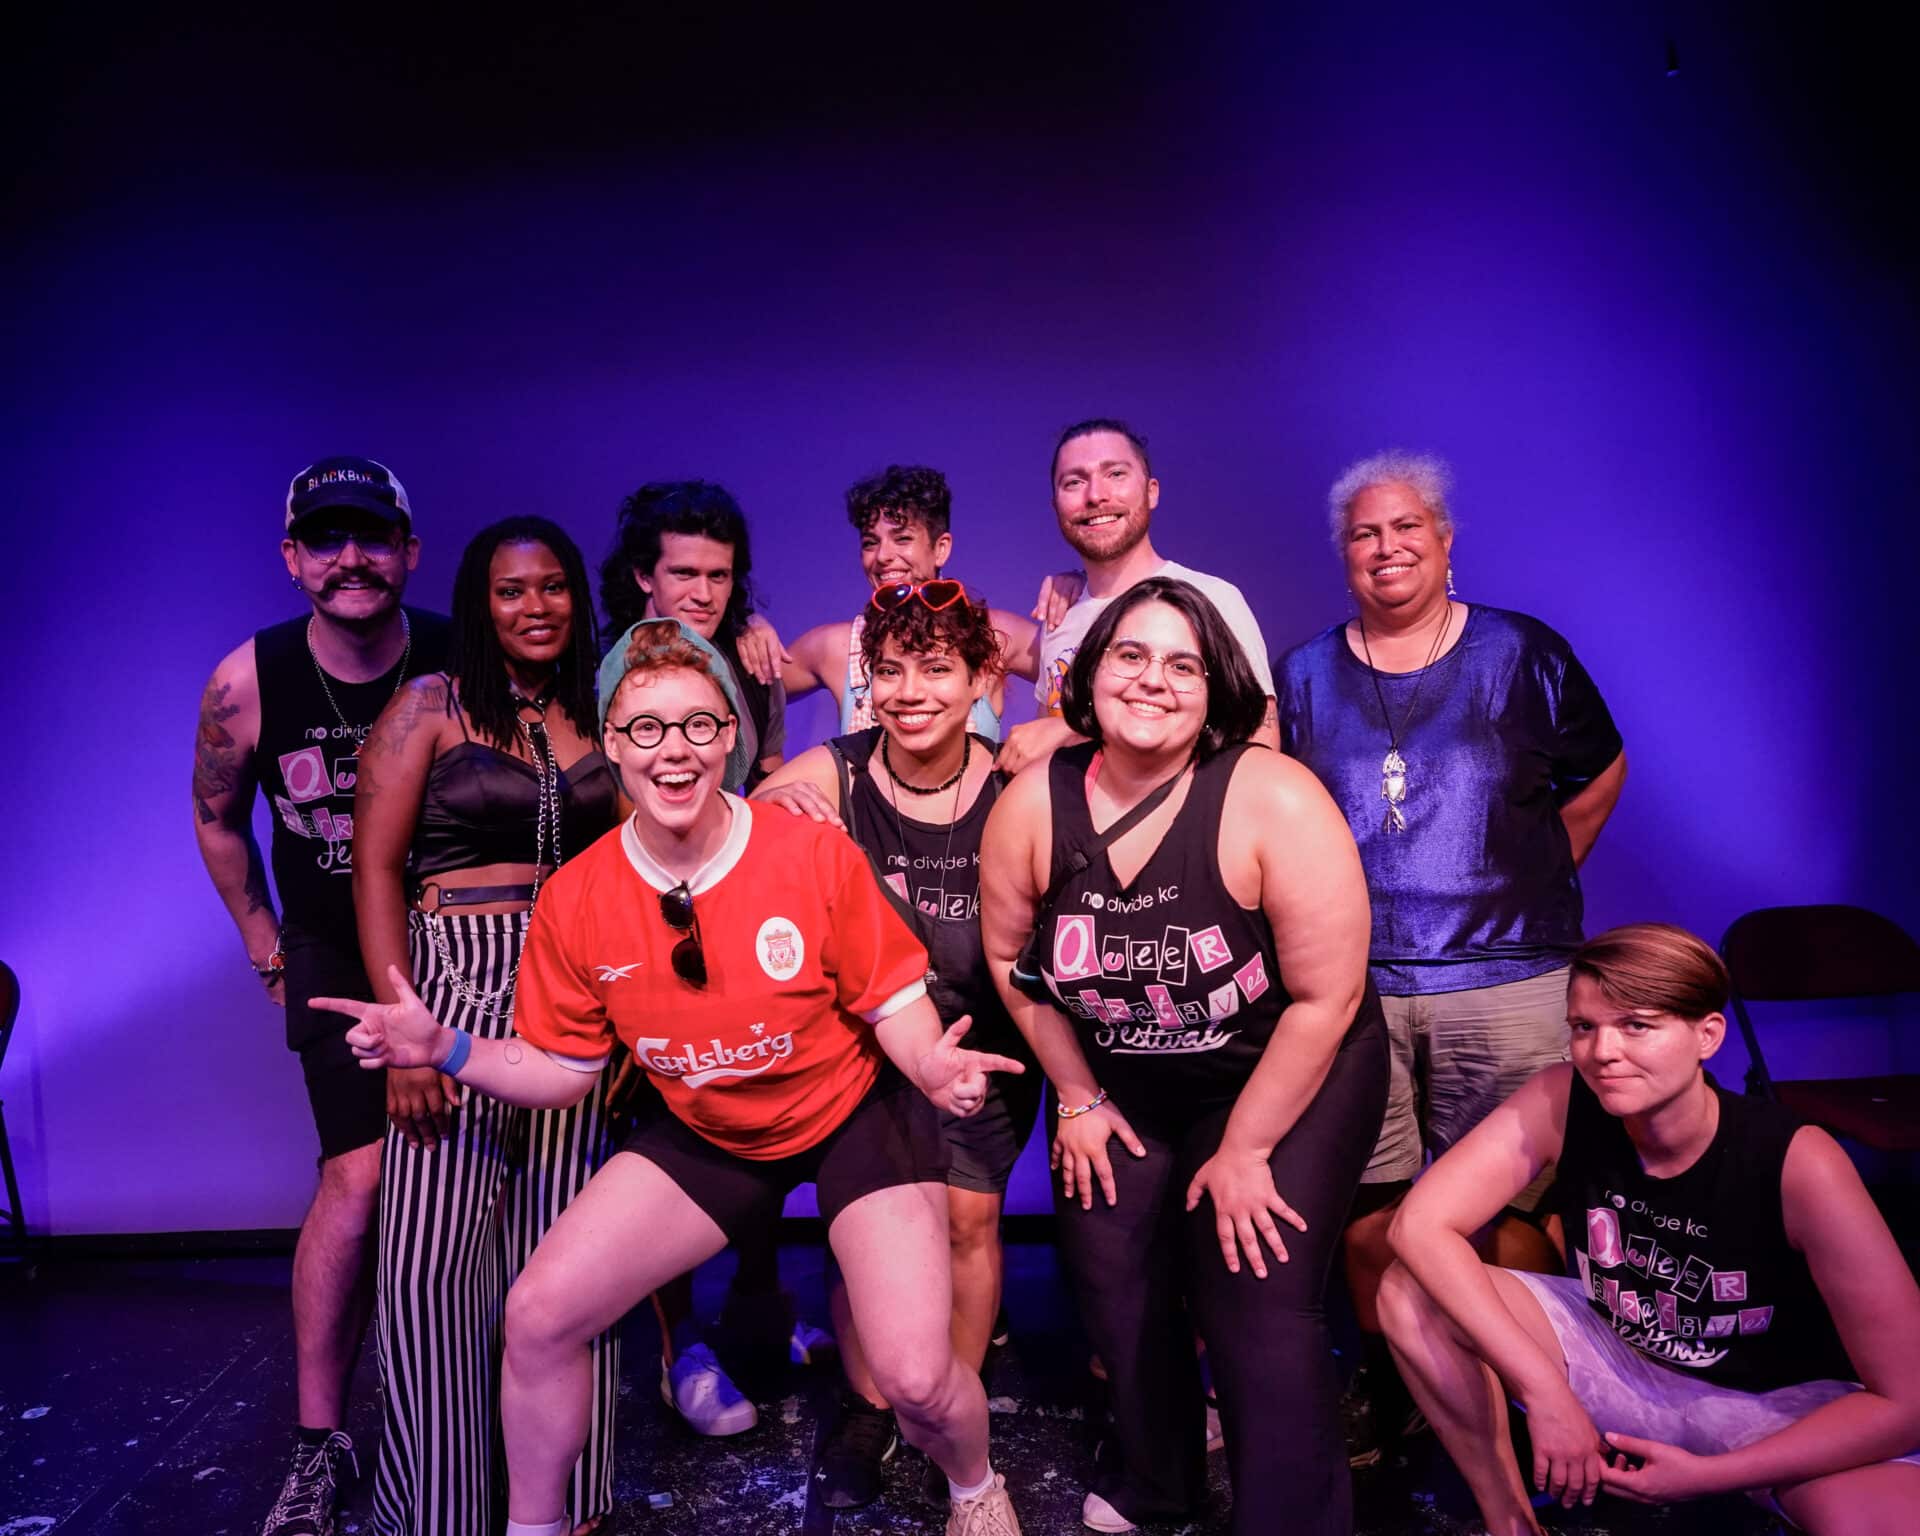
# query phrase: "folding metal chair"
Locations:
[[1806, 954]]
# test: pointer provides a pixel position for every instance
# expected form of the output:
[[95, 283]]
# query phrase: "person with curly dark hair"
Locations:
[[903, 515], [682, 551], [474, 786], [1178, 925], [914, 790]]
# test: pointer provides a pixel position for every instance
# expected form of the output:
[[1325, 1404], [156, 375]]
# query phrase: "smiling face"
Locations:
[[1102, 495], [530, 603], [691, 581], [350, 581], [922, 699], [1395, 552], [894, 550], [1636, 1060], [673, 784], [1147, 713]]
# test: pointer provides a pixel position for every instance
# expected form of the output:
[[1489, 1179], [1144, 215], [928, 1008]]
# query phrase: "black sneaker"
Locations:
[[312, 1488], [852, 1462], [1360, 1418]]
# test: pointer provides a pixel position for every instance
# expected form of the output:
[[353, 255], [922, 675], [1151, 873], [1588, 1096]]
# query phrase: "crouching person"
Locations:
[[1736, 1315]]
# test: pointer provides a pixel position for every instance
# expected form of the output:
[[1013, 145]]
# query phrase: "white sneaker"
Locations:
[[704, 1395], [1096, 1514]]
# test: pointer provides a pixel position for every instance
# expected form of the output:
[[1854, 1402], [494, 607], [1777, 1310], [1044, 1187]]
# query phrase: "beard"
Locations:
[[1111, 542]]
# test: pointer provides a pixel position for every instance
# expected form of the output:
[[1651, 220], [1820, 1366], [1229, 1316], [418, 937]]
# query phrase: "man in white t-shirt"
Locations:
[[1104, 494]]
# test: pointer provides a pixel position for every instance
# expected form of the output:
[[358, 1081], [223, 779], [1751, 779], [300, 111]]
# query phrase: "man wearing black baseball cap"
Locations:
[[286, 711]]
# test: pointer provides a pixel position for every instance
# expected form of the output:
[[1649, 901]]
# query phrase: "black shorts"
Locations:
[[891, 1138], [349, 1102], [984, 1146]]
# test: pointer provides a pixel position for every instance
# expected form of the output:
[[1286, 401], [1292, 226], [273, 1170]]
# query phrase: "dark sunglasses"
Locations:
[[941, 592], [328, 544], [689, 959]]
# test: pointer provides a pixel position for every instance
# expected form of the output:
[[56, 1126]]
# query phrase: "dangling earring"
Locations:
[[1450, 591], [294, 579]]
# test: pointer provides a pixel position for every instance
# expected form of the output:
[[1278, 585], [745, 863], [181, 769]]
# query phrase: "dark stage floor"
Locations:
[[143, 1397]]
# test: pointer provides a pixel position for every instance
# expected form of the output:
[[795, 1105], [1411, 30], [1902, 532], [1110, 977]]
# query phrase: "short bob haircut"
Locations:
[[1236, 703], [963, 629], [1654, 968]]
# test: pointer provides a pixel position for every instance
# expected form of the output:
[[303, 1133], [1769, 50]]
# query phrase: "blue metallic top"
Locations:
[[1480, 888]]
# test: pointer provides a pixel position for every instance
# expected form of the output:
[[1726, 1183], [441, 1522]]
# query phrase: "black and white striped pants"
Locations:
[[457, 1224]]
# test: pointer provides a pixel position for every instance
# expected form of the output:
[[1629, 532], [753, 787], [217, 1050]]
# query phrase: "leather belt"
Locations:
[[469, 895]]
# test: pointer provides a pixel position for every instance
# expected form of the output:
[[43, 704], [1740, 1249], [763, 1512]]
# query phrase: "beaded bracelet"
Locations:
[[1087, 1108]]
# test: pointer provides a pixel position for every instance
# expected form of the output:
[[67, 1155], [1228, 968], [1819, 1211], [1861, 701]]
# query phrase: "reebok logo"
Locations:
[[616, 972]]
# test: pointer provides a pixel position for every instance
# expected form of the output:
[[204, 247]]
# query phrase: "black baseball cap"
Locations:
[[364, 485]]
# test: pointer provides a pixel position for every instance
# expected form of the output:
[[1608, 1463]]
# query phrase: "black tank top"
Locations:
[[480, 805], [1695, 1271], [936, 871], [1171, 983], [308, 759]]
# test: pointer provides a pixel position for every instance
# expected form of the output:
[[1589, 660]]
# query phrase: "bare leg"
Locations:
[[1459, 1393], [1881, 1500], [1368, 1256], [973, 1229], [853, 1353], [581, 1279], [673, 1305], [893, 1252], [333, 1283], [973, 1233], [1513, 1243]]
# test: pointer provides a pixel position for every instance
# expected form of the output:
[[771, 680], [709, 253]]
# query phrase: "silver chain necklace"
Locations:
[[1393, 767], [406, 650], [494, 1003]]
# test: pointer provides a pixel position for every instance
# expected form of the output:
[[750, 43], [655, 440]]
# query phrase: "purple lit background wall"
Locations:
[[1662, 326]]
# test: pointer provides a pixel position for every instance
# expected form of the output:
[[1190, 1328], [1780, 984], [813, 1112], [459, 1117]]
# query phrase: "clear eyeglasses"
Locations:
[[1182, 670]]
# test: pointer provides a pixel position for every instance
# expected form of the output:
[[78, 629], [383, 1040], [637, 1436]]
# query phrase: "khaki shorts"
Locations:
[[1456, 1056]]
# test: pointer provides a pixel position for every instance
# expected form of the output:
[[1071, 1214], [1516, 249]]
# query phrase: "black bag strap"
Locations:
[[843, 770], [1078, 858]]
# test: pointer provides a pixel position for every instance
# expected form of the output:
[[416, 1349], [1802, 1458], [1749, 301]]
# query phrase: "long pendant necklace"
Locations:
[[493, 1003], [1393, 767], [900, 831], [406, 650]]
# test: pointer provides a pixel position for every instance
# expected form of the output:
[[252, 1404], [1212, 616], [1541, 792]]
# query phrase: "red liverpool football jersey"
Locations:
[[803, 956]]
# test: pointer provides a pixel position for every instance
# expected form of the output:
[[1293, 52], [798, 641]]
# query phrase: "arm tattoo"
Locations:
[[258, 896], [216, 755], [422, 698], [512, 1054]]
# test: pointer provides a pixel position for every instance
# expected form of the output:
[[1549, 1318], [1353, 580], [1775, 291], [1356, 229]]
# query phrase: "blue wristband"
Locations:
[[457, 1057]]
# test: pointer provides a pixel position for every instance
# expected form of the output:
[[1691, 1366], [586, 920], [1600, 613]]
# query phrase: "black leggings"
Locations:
[[1134, 1265]]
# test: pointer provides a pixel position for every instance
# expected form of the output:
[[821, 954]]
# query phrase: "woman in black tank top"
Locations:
[[1729, 1278], [474, 784], [914, 791], [1207, 1010]]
